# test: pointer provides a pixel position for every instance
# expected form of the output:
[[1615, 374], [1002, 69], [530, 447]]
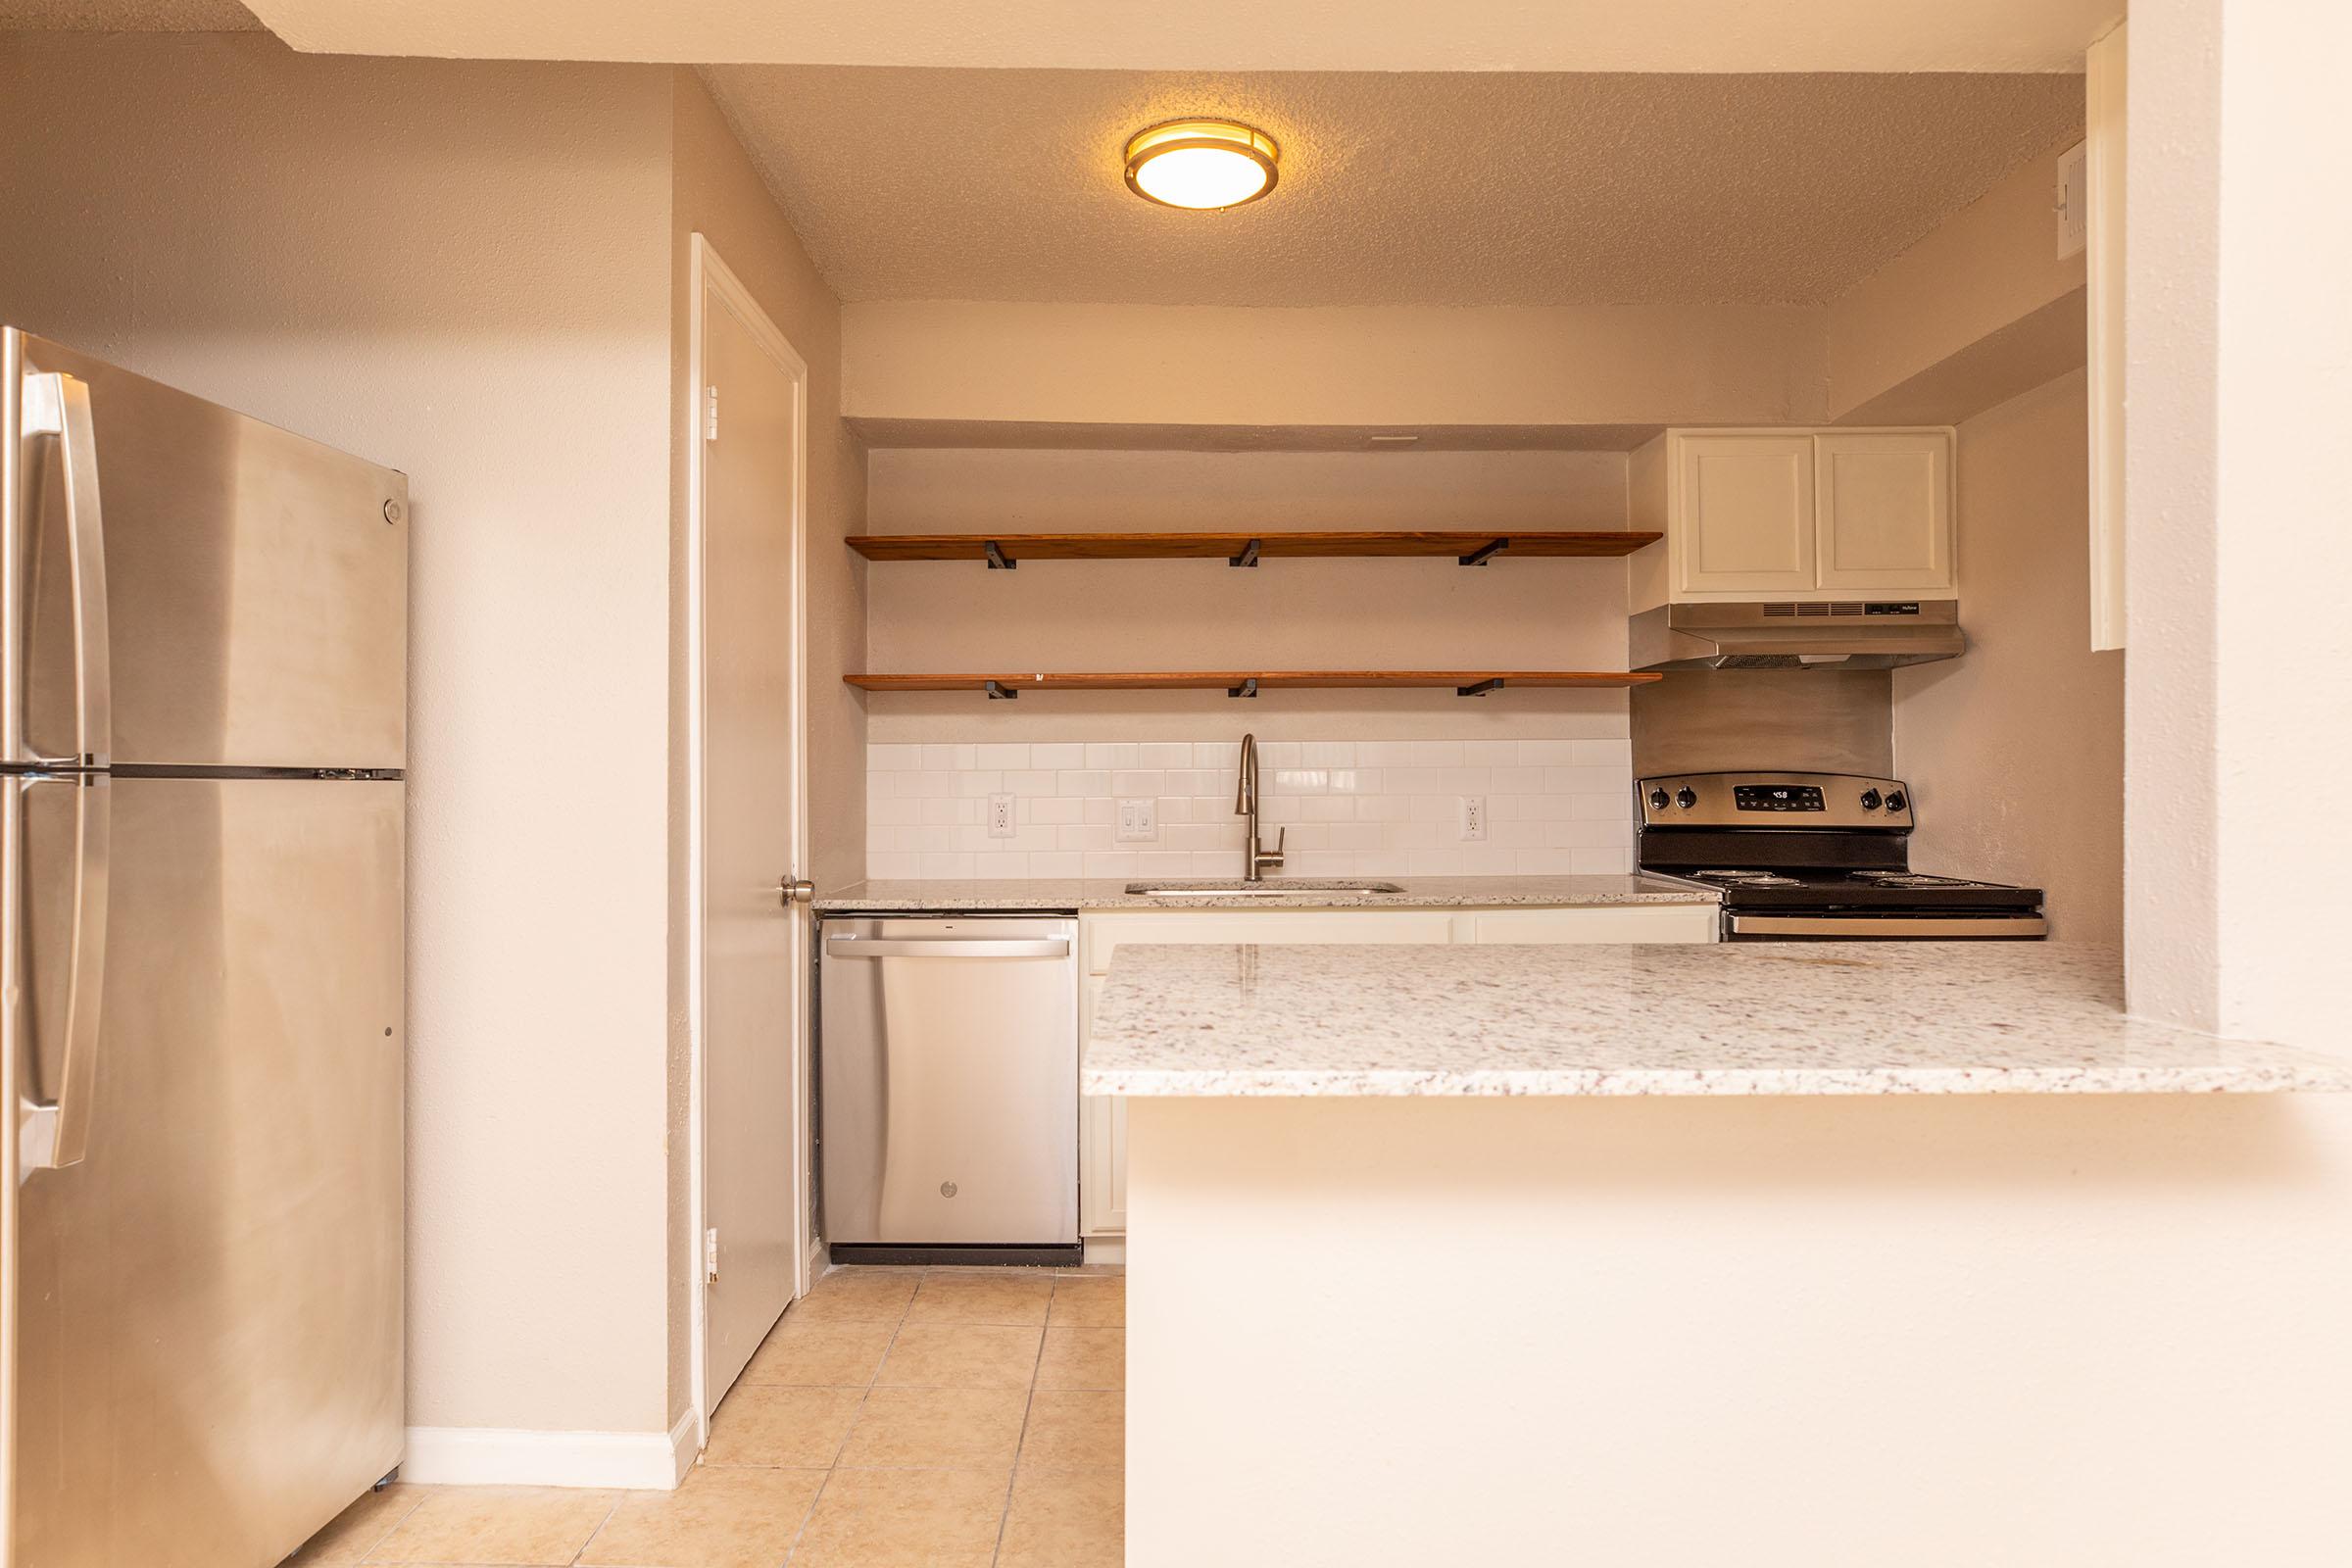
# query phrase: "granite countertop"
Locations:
[[1420, 893], [1734, 1019]]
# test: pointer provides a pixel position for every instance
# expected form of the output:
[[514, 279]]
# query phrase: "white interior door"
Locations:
[[751, 946]]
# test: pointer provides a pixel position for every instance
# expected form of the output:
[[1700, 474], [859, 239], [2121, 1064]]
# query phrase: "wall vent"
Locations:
[[1815, 611]]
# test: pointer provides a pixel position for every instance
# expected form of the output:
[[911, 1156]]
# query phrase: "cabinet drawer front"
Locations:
[[1747, 515], [1640, 923], [1886, 511], [1104, 933]]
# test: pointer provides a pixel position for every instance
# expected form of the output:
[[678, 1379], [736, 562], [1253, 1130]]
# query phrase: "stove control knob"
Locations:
[[1870, 800], [1896, 800], [1684, 798], [1657, 800]]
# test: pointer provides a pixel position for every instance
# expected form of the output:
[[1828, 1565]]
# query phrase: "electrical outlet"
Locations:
[[999, 817], [1139, 821], [1474, 818]]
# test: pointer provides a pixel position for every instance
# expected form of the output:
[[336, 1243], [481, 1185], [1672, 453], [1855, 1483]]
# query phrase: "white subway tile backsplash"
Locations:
[[1349, 807]]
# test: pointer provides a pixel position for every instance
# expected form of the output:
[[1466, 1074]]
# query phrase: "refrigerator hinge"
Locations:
[[710, 1255], [710, 413]]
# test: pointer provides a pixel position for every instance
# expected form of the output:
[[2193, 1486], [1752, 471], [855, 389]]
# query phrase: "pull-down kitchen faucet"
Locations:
[[1256, 857]]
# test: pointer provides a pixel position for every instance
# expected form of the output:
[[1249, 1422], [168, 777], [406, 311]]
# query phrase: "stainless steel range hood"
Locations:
[[1780, 634]]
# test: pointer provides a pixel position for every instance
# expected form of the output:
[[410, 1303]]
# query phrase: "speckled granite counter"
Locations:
[[1814, 1018], [1420, 893]]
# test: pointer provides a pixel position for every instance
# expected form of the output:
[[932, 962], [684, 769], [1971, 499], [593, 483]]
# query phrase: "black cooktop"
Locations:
[[1806, 887]]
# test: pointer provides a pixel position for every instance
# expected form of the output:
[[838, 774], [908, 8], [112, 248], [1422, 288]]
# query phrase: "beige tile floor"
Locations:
[[896, 1418]]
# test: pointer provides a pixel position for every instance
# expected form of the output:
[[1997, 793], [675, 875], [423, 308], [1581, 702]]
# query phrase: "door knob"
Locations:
[[797, 890]]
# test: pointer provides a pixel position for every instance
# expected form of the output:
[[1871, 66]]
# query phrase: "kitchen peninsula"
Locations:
[[1738, 1253]]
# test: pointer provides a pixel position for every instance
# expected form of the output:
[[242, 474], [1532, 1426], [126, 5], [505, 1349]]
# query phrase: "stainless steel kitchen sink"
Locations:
[[1270, 888]]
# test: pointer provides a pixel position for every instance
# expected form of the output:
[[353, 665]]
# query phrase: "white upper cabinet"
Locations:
[[1885, 510], [1798, 514], [1748, 504]]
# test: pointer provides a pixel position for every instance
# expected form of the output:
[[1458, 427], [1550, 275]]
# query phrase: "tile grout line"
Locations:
[[369, 1550], [600, 1526], [872, 1381], [1028, 1405]]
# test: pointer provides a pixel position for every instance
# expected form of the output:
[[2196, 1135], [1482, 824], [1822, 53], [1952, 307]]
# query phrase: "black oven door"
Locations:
[[1895, 925]]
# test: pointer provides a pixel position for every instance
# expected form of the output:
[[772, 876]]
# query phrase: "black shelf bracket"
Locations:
[[1484, 552], [1248, 557], [1248, 688], [998, 691], [1480, 689], [998, 561]]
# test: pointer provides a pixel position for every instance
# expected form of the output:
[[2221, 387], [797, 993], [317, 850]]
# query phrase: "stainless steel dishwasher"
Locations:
[[948, 1048]]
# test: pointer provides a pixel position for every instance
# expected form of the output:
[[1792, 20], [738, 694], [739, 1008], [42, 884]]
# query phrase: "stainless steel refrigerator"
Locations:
[[203, 700]]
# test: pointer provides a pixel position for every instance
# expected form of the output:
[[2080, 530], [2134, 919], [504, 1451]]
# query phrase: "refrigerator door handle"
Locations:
[[59, 405], [53, 1134]]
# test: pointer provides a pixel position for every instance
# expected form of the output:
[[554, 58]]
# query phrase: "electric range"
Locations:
[[1809, 856]]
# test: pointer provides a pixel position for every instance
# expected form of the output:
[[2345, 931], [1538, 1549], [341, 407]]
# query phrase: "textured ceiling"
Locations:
[[126, 16], [1397, 188]]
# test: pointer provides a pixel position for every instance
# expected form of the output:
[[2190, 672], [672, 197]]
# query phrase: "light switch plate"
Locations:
[[1138, 822], [999, 817], [2073, 199]]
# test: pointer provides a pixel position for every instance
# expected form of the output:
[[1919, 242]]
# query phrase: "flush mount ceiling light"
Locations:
[[1201, 164]]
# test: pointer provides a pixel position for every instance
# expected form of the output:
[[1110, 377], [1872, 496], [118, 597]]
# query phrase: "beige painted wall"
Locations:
[[2016, 751], [477, 274], [2239, 355], [715, 192], [459, 269], [1979, 310], [1284, 614], [1940, 1331], [1375, 366]]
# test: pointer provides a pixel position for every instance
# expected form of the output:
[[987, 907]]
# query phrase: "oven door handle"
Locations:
[[1895, 925]]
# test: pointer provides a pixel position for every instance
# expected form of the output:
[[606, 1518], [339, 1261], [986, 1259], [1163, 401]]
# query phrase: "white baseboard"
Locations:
[[651, 1461], [1106, 1250]]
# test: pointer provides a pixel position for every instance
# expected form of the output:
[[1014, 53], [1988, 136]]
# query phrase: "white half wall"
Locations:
[[1934, 1331]]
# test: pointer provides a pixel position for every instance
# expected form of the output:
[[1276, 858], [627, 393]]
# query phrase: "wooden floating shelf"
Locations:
[[1009, 550], [1249, 683]]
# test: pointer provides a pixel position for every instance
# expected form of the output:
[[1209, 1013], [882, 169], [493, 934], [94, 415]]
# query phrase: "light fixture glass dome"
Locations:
[[1201, 164]]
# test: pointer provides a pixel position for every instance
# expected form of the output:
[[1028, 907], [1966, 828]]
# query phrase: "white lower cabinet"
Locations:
[[1621, 922], [1103, 1119]]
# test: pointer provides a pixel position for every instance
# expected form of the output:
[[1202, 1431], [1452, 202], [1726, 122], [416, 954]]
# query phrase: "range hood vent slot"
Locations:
[[1795, 634]]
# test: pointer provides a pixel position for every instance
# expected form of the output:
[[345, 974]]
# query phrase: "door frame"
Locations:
[[708, 276]]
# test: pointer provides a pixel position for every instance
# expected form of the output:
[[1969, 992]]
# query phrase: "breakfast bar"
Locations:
[[1747, 1254]]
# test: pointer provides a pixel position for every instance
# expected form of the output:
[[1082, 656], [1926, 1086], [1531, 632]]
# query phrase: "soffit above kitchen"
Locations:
[[1505, 35], [126, 16], [1418, 187]]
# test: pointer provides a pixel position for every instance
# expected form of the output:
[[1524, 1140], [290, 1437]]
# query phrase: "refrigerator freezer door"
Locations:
[[254, 589], [209, 1359]]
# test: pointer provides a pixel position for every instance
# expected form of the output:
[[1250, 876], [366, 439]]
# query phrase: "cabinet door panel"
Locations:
[[1101, 1146], [1629, 922], [1886, 511], [1746, 510], [1102, 933]]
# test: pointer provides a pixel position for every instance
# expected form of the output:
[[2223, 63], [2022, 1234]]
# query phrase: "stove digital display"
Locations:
[[1777, 797]]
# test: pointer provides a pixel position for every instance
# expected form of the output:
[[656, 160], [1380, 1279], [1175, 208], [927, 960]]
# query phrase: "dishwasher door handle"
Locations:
[[944, 947]]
